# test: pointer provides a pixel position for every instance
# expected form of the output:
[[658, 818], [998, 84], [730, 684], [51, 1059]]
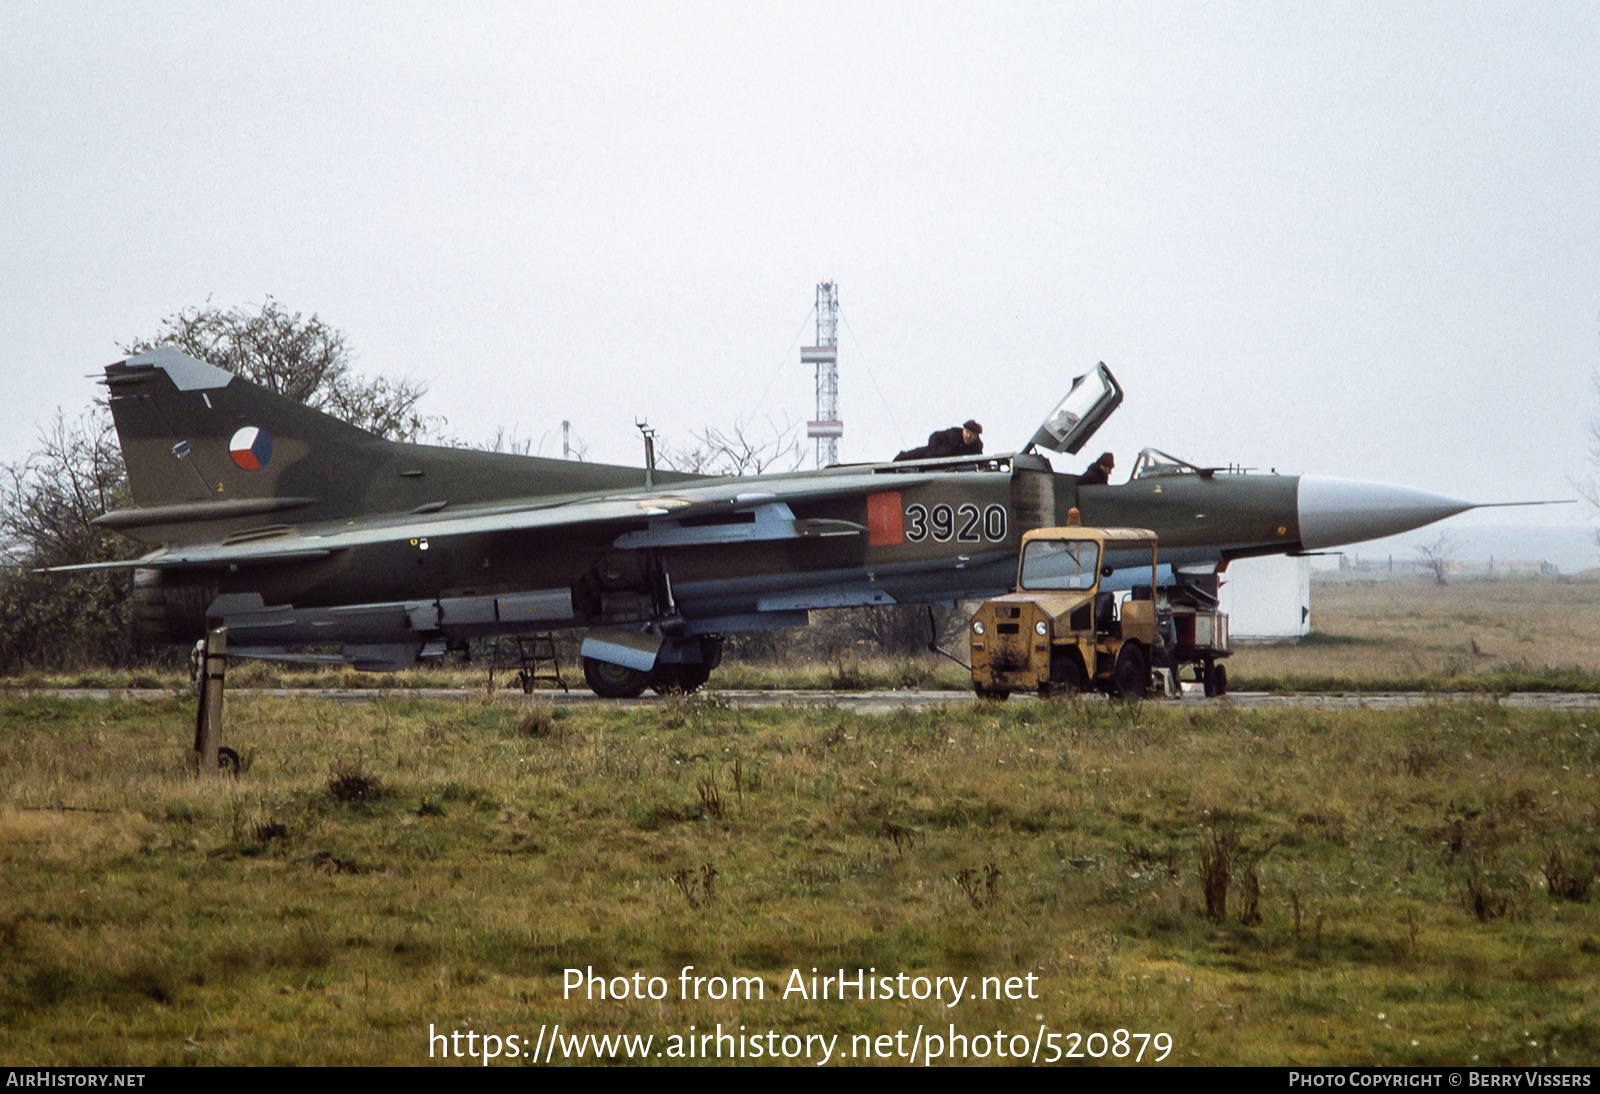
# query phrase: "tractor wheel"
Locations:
[[1066, 675], [1131, 677], [1217, 681]]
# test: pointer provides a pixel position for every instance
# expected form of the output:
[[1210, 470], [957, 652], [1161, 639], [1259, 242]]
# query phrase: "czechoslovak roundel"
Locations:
[[251, 448]]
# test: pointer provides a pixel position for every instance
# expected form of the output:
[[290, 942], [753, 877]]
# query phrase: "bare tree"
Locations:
[[1435, 557], [513, 442], [48, 503], [902, 630], [508, 440], [739, 450]]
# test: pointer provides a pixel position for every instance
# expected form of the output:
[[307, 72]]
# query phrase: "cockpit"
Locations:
[[1094, 396], [1156, 464]]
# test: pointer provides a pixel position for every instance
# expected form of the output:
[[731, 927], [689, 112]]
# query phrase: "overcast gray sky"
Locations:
[[1343, 239]]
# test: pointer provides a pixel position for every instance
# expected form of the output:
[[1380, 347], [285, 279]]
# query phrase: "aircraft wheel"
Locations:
[[710, 653], [612, 681], [668, 679], [1131, 677], [1217, 681], [664, 680], [693, 677], [995, 695], [227, 760]]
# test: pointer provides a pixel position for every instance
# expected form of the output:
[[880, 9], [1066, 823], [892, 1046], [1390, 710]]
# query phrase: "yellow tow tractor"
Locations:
[[1060, 632]]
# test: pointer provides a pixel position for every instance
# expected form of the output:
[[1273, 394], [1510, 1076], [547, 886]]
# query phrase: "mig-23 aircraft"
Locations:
[[293, 529]]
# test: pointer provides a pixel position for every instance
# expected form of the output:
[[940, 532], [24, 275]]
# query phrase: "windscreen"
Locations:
[[1154, 464], [1060, 564]]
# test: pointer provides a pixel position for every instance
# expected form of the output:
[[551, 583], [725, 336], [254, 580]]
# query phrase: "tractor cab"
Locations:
[[1058, 630]]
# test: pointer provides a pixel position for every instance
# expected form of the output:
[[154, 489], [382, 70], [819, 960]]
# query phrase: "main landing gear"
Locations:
[[680, 668]]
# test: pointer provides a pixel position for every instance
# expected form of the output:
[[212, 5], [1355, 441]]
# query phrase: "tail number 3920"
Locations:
[[963, 523]]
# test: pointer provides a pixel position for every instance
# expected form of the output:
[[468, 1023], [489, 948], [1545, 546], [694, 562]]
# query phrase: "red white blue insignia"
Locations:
[[251, 448]]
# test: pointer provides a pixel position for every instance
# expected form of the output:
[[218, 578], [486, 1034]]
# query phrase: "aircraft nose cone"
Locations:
[[1337, 511]]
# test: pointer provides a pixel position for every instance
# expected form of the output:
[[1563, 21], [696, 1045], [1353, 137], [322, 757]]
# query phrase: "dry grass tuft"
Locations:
[[537, 721], [984, 893], [847, 675], [347, 782], [711, 803], [267, 831], [699, 888], [1564, 882], [903, 838], [1488, 899], [1216, 862]]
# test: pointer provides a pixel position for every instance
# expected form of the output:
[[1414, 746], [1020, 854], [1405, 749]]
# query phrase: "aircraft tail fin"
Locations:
[[210, 453], [207, 450]]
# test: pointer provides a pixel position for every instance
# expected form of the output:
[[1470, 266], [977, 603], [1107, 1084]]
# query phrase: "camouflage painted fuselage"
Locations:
[[292, 528]]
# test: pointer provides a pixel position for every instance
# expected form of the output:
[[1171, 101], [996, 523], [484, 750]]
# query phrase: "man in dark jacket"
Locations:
[[1099, 472], [965, 440]]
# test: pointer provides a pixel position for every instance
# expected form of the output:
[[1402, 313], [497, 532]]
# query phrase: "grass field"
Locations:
[[1530, 634], [1401, 886]]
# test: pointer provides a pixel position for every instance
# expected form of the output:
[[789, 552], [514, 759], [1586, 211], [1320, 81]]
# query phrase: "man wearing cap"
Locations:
[[964, 440], [1099, 472]]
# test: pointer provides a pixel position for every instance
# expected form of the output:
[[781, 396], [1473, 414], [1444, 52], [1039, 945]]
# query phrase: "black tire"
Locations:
[[1217, 681], [1066, 675], [612, 681], [664, 680], [693, 677], [227, 760], [710, 652], [994, 695], [679, 679], [1208, 679], [1130, 679]]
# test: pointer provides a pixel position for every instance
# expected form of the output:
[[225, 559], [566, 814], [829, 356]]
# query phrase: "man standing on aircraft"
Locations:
[[1099, 473], [967, 440]]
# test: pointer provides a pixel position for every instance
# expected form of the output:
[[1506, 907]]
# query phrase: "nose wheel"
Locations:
[[613, 681]]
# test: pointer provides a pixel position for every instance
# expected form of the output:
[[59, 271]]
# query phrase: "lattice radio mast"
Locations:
[[826, 428]]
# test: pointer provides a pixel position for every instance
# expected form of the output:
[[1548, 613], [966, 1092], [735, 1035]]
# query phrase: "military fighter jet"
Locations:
[[293, 529]]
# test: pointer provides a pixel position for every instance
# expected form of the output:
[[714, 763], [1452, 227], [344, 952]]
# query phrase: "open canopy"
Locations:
[[1093, 397]]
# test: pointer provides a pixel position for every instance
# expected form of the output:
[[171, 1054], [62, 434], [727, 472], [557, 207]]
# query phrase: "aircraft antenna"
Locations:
[[826, 428]]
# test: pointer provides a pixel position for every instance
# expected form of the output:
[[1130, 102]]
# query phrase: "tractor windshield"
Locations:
[[1060, 564]]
